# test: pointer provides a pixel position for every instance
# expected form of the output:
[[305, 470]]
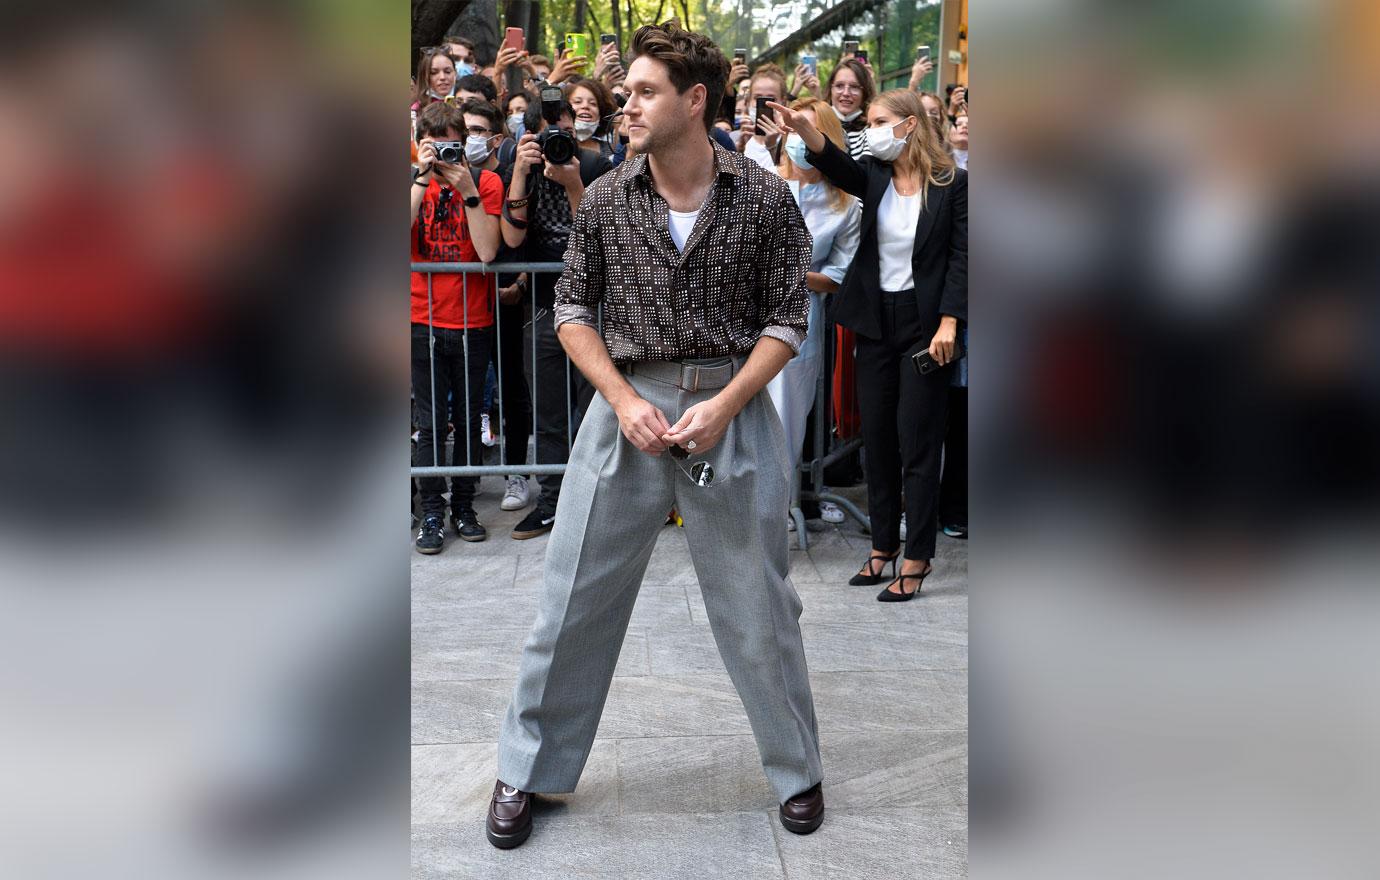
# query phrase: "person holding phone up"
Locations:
[[906, 291]]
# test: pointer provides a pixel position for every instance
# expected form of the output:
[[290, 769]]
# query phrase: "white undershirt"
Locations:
[[897, 218], [681, 224]]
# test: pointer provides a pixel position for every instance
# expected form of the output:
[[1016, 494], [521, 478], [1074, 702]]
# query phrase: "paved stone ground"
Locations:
[[673, 787]]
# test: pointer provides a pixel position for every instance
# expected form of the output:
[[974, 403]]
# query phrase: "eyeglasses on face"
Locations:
[[847, 87]]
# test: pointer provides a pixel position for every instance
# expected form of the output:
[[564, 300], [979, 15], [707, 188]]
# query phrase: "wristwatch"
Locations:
[[472, 201]]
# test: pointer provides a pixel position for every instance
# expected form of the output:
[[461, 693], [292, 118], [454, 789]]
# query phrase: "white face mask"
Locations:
[[883, 143], [515, 124], [848, 117], [585, 130], [476, 149], [795, 148]]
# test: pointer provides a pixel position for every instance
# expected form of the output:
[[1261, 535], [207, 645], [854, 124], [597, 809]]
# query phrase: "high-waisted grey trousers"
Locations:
[[612, 506]]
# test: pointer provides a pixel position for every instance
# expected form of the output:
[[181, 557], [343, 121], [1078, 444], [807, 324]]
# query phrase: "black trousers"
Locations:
[[562, 396], [903, 421], [513, 390], [454, 349], [953, 491]]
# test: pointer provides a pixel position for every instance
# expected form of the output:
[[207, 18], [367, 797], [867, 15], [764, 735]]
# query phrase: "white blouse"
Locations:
[[897, 218]]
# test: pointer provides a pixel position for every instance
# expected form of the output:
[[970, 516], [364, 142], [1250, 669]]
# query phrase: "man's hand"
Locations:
[[942, 345], [703, 424], [919, 70], [458, 177], [510, 295], [426, 159], [643, 425], [567, 175], [527, 157]]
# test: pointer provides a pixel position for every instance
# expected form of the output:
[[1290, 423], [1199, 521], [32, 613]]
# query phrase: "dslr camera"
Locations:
[[450, 152], [557, 147]]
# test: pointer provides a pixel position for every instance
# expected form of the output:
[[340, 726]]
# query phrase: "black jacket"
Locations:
[[939, 260]]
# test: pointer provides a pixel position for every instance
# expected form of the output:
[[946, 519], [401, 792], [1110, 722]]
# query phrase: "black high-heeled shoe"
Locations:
[[871, 578], [888, 596]]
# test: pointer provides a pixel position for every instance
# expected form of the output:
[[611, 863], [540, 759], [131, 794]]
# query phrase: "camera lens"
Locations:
[[559, 148], [448, 154]]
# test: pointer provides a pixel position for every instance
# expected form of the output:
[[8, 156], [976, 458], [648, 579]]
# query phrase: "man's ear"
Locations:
[[697, 99]]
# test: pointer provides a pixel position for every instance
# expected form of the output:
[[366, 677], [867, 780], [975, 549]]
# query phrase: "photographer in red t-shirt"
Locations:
[[455, 212]]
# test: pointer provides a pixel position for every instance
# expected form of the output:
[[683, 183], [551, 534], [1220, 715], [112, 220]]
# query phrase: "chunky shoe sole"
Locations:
[[508, 841], [796, 826], [474, 539], [430, 551]]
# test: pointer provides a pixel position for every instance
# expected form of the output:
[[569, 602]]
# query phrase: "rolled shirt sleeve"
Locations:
[[580, 289], [784, 300]]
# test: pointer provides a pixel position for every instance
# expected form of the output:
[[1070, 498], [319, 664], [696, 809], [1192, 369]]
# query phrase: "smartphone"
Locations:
[[861, 54], [512, 39], [763, 110], [740, 56], [811, 62], [922, 52], [850, 47], [605, 39], [924, 364], [578, 44]]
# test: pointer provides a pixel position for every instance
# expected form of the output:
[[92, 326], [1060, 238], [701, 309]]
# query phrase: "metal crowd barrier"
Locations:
[[827, 448], [504, 467]]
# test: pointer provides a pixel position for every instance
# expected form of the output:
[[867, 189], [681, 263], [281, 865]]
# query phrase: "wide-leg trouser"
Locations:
[[612, 506]]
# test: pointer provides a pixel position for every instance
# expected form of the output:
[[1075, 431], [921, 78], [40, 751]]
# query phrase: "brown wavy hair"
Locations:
[[690, 59]]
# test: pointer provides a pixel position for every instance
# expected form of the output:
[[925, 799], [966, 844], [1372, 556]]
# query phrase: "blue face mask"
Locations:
[[795, 148], [463, 68]]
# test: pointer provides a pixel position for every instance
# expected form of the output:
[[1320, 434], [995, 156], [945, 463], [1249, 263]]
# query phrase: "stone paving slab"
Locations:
[[673, 787]]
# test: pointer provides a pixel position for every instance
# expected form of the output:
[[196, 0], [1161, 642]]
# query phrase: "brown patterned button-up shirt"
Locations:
[[740, 277]]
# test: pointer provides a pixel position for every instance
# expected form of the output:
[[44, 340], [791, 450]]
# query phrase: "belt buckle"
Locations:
[[694, 372]]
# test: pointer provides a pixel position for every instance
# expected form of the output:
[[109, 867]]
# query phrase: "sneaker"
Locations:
[[960, 532], [432, 536], [517, 495], [467, 525], [538, 522], [790, 523], [486, 436], [830, 512], [903, 527]]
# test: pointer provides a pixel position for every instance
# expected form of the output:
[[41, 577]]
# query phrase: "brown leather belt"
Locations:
[[690, 375]]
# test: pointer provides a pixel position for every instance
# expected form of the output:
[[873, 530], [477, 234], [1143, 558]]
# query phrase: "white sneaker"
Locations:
[[790, 523], [517, 495], [830, 512], [485, 435], [903, 527]]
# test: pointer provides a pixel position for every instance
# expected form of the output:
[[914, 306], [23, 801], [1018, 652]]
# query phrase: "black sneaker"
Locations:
[[467, 525], [432, 535], [538, 522]]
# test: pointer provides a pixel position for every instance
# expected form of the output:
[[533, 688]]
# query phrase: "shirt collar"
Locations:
[[723, 163]]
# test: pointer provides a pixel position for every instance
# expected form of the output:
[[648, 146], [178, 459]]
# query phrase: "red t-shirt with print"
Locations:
[[457, 300]]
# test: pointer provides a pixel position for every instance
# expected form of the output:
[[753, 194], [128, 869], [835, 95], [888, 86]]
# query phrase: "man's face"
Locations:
[[542, 71], [450, 135], [478, 126], [658, 116], [466, 94]]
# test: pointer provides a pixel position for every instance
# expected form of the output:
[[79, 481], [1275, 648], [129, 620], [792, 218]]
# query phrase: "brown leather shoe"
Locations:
[[804, 812], [510, 816]]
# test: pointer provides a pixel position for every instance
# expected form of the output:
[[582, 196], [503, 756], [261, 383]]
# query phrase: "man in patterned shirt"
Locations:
[[692, 259]]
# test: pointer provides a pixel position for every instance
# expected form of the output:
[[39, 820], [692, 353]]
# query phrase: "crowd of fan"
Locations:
[[508, 201]]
